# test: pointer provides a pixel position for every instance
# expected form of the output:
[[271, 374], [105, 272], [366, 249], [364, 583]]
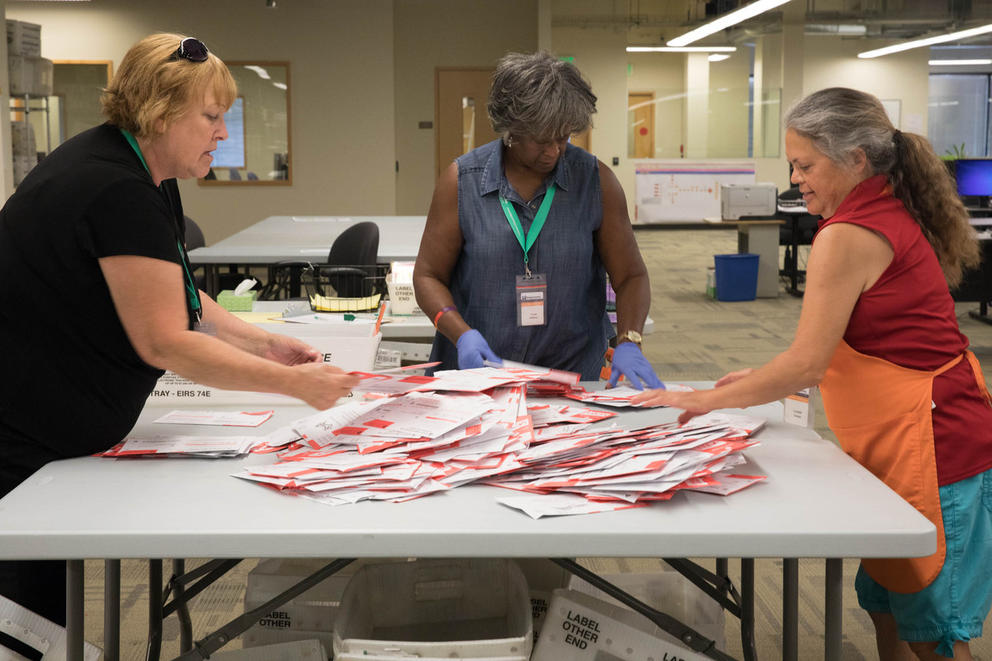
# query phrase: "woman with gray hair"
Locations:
[[878, 333], [522, 232]]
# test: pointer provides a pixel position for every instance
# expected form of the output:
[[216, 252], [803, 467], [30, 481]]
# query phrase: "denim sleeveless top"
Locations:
[[483, 281]]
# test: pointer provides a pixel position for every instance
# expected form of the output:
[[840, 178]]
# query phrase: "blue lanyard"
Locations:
[[191, 292], [518, 231]]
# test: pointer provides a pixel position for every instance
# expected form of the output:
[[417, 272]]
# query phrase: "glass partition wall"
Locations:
[[691, 106]]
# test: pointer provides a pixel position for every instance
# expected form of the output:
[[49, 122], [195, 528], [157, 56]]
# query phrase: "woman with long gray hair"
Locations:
[[878, 333], [522, 232]]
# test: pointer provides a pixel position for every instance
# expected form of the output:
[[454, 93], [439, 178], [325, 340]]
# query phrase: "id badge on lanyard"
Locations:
[[531, 288]]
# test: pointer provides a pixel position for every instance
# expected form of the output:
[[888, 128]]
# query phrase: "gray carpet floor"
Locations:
[[694, 338]]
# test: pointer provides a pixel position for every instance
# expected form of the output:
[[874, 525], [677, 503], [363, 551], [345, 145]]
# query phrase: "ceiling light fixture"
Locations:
[[684, 49], [927, 41], [718, 57], [959, 63], [725, 21]]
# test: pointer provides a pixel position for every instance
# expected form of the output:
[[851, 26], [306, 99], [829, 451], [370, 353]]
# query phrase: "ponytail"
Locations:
[[925, 187]]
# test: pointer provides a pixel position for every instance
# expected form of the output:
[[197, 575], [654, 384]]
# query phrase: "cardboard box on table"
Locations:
[[352, 346]]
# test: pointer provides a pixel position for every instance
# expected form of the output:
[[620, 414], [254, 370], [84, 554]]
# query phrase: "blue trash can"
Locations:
[[736, 276]]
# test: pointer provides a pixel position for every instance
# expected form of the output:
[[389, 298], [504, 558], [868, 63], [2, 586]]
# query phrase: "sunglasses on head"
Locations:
[[191, 49]]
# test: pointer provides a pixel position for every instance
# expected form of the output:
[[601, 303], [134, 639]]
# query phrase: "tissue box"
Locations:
[[236, 303]]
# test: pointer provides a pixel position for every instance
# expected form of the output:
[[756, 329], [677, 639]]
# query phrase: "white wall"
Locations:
[[830, 62], [601, 57], [444, 33], [341, 91]]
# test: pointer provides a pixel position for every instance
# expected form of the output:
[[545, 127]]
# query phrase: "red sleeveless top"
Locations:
[[907, 318]]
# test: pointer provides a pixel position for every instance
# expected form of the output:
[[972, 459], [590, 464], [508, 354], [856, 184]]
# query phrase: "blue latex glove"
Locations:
[[473, 350], [630, 362]]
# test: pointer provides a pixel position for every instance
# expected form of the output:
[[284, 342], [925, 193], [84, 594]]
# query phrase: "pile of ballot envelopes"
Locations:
[[411, 436]]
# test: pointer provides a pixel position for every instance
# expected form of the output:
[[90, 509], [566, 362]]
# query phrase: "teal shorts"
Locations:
[[955, 605]]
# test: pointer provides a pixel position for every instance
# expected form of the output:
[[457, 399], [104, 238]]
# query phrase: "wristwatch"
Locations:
[[630, 336]]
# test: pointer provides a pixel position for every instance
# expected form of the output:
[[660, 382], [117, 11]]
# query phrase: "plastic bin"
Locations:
[[736, 276], [23, 38], [300, 650], [32, 636], [445, 609]]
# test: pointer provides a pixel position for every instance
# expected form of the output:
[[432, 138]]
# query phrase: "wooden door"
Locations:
[[641, 107], [460, 120]]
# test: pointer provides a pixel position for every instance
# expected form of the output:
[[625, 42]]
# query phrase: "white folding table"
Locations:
[[813, 505], [278, 239]]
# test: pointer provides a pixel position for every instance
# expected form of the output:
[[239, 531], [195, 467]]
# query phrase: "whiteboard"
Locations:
[[683, 190]]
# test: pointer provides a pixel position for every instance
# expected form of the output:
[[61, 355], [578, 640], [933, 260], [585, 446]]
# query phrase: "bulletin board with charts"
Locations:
[[685, 191]]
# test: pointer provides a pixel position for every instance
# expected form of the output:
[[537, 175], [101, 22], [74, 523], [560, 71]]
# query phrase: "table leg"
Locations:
[[790, 609], [182, 612], [74, 610], [154, 647], [762, 240], [795, 258], [111, 610], [833, 609], [982, 314], [747, 610]]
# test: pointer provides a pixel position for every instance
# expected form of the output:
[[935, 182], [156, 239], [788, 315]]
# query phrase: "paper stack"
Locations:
[[420, 435], [183, 446]]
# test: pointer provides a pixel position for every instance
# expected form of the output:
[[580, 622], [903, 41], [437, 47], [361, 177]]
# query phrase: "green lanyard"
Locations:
[[191, 292], [535, 227]]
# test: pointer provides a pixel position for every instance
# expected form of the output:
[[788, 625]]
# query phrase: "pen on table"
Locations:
[[378, 321]]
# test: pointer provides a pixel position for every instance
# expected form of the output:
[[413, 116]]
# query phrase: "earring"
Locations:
[[509, 142]]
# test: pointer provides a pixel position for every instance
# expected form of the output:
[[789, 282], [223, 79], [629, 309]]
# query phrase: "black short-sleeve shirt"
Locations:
[[72, 383]]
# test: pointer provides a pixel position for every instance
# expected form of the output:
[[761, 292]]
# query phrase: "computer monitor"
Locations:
[[974, 179]]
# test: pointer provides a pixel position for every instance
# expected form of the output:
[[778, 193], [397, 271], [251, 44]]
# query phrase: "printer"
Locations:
[[738, 200]]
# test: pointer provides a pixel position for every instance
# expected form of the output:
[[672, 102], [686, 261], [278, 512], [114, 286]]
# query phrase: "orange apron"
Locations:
[[881, 413]]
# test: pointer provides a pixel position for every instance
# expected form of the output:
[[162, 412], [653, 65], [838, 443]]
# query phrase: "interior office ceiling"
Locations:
[[661, 20]]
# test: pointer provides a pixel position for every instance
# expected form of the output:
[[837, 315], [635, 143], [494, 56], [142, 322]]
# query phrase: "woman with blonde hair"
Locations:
[[98, 299], [878, 333]]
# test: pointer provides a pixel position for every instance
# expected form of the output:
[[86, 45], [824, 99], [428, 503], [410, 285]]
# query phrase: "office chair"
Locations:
[[194, 235], [194, 239], [351, 260]]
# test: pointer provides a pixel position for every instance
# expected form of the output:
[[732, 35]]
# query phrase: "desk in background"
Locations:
[[811, 506], [304, 238], [976, 285]]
